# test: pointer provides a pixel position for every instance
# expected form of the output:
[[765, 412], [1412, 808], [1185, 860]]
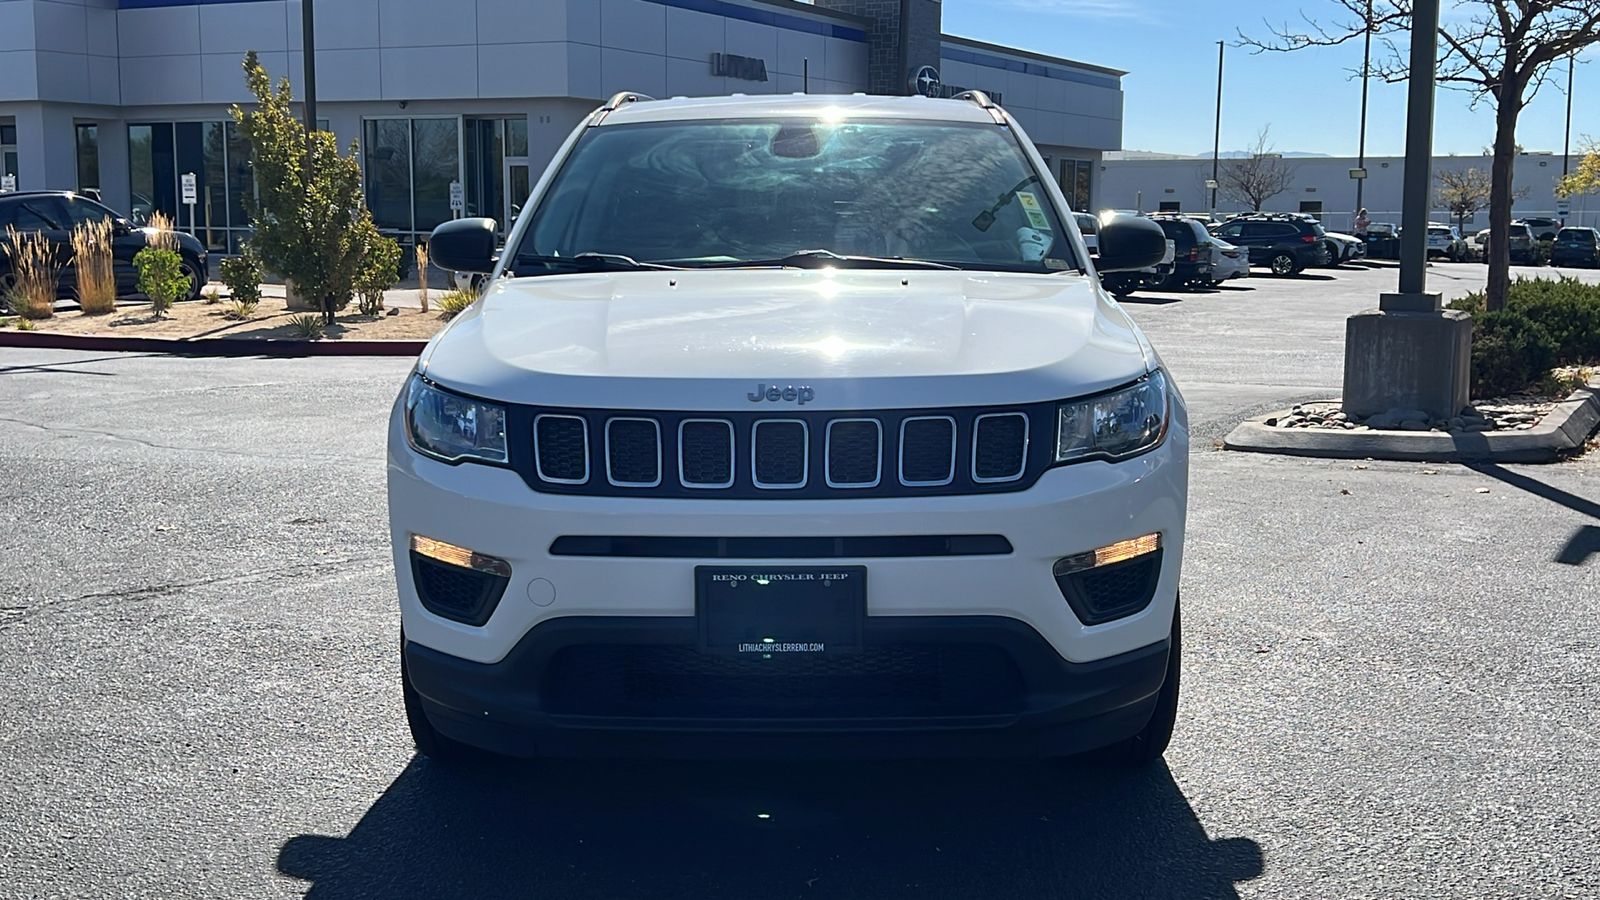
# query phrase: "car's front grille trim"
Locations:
[[977, 449], [611, 454], [828, 460], [683, 456], [756, 456], [950, 475], [539, 461]]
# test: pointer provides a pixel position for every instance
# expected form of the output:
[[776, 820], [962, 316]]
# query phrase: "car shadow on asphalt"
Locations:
[[661, 829], [65, 367], [1585, 540]]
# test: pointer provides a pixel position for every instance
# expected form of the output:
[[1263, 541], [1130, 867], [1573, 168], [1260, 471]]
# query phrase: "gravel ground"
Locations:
[[1389, 689]]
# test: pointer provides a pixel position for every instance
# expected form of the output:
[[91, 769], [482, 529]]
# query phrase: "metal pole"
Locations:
[[309, 49], [1419, 148], [1366, 71], [1216, 140]]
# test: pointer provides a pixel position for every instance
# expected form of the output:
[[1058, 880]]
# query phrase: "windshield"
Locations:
[[761, 191]]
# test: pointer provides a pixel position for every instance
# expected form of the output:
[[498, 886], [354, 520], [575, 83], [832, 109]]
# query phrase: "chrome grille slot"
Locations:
[[561, 449], [633, 452], [705, 453], [855, 453], [999, 447], [927, 451], [778, 453]]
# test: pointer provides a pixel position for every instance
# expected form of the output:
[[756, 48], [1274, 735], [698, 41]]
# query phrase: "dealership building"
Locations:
[[127, 96]]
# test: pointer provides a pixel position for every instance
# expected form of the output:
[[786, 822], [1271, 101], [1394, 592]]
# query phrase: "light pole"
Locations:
[[309, 48], [1566, 142], [1366, 70], [1216, 139], [1411, 354]]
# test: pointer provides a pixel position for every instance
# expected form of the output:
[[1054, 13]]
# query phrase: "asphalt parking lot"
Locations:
[[1390, 686]]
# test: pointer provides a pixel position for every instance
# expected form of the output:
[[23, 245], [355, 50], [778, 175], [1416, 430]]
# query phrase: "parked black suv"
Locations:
[[55, 213], [1285, 243], [1576, 247], [1194, 256]]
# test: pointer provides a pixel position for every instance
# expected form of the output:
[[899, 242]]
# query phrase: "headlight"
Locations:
[[1115, 425], [452, 428]]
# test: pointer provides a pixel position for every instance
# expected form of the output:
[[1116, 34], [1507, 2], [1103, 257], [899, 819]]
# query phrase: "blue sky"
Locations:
[[1309, 98]]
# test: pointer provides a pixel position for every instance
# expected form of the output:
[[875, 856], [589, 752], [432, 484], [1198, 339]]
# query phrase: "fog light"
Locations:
[[1122, 551], [456, 583], [460, 556], [1112, 582]]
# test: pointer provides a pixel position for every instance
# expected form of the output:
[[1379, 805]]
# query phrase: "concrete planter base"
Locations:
[[1558, 435]]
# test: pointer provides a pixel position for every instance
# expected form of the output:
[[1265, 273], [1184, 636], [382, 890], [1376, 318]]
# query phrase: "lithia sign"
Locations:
[[924, 80], [747, 68]]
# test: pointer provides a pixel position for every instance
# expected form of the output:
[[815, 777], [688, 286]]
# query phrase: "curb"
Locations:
[[209, 346], [1559, 434]]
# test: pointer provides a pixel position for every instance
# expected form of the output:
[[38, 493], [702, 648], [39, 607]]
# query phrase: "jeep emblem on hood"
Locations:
[[776, 394]]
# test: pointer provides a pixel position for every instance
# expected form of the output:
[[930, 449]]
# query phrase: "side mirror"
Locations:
[[121, 228], [1130, 242], [464, 245]]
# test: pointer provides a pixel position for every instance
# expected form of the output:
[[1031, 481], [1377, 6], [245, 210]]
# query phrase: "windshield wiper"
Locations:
[[585, 262], [818, 259]]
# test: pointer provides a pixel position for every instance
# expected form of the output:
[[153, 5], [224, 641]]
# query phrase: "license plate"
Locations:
[[779, 612]]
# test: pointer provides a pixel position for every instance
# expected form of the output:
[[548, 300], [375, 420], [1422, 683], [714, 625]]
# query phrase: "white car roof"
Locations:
[[849, 106]]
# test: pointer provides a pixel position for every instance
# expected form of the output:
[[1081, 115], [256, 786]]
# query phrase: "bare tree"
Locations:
[[1256, 178], [1498, 50], [1465, 192]]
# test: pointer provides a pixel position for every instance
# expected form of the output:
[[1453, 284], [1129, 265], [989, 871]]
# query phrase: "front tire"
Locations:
[[1284, 265], [430, 743], [1152, 741], [191, 272]]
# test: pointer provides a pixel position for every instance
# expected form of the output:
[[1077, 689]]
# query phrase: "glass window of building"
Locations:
[[88, 157], [1077, 178], [409, 166], [8, 149], [160, 153], [495, 163]]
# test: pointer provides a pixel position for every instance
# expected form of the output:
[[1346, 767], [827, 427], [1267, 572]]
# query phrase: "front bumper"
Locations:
[[578, 686]]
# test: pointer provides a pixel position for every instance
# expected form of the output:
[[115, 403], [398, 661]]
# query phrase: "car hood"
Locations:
[[859, 338]]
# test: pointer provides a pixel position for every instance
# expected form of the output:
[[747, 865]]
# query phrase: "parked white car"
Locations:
[[1232, 262], [1445, 241], [791, 423]]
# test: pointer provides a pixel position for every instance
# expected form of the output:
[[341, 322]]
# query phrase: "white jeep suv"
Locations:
[[791, 425]]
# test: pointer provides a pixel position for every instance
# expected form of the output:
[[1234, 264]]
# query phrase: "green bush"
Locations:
[[242, 275], [161, 277], [379, 272], [1509, 353], [1568, 310]]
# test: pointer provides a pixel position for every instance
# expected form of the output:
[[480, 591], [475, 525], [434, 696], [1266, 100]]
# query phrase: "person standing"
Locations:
[[1361, 223]]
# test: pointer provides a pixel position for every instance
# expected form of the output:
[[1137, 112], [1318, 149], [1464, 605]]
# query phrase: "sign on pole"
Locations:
[[8, 183], [1358, 174], [1563, 208], [191, 196], [458, 198]]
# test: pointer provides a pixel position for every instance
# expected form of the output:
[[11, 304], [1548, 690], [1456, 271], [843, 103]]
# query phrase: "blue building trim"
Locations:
[[1059, 73], [714, 7]]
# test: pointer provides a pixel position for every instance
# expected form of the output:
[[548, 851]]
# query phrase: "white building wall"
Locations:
[[1144, 183]]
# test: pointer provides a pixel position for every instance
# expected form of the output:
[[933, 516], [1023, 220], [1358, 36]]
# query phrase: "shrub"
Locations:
[[91, 263], [32, 294], [242, 275], [1510, 352], [160, 233], [161, 277], [1566, 308], [380, 272], [306, 326], [453, 302], [310, 223], [241, 310]]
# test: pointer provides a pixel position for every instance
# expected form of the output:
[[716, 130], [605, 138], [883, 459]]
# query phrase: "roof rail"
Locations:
[[617, 101], [978, 97]]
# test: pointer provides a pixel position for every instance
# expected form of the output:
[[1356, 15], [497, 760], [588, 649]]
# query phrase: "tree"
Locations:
[[1586, 180], [1497, 50], [1256, 178], [1466, 192], [310, 223]]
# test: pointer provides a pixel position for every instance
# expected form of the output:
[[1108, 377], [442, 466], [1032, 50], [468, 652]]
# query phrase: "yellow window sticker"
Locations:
[[1030, 205]]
